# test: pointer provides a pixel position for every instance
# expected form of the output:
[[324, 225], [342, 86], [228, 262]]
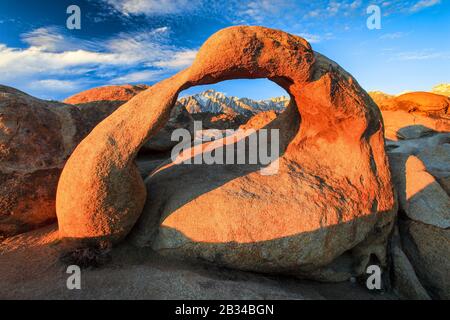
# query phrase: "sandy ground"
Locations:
[[30, 268]]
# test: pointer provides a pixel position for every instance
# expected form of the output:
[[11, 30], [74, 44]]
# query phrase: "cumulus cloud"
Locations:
[[52, 52], [33, 61], [52, 57]]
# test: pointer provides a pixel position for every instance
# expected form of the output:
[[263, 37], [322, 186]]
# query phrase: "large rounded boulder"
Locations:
[[118, 94], [324, 213], [424, 103], [36, 138]]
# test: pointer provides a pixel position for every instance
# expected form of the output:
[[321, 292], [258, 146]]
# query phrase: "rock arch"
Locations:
[[334, 164]]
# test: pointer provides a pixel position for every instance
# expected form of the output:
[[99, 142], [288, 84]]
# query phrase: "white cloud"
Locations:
[[45, 38], [55, 85], [334, 7], [54, 39], [153, 7], [179, 60], [35, 61], [315, 38], [312, 38], [138, 76], [261, 10], [47, 55], [422, 4], [52, 57]]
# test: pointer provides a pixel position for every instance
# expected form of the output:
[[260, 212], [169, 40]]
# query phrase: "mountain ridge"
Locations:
[[215, 102]]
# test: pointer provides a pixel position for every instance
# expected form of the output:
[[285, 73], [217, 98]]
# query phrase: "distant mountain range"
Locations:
[[211, 101], [214, 102]]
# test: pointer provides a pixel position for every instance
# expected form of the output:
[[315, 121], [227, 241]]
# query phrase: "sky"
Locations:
[[145, 41]]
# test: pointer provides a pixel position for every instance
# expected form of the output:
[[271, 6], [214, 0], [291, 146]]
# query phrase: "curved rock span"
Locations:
[[330, 207]]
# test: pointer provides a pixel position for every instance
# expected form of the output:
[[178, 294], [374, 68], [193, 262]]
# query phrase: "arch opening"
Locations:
[[229, 130], [230, 104]]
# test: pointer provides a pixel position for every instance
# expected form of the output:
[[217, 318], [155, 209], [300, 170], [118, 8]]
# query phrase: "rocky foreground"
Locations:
[[355, 187], [137, 273]]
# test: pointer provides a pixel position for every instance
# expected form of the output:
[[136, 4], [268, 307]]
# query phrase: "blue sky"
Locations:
[[144, 41]]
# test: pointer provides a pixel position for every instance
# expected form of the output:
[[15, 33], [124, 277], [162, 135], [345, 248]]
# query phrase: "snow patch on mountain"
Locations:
[[215, 102]]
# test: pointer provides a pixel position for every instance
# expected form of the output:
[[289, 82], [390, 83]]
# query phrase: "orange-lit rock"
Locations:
[[98, 103], [425, 103], [424, 199], [36, 138], [330, 205], [401, 125], [260, 120], [222, 121], [118, 94]]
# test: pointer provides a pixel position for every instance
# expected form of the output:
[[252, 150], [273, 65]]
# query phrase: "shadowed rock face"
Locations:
[[330, 206], [421, 173], [36, 138]]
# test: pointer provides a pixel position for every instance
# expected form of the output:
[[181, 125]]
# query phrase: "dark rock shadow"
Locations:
[[421, 139]]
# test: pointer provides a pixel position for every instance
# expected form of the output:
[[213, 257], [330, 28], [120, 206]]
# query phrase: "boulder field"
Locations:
[[420, 247], [38, 136], [418, 145], [325, 214]]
